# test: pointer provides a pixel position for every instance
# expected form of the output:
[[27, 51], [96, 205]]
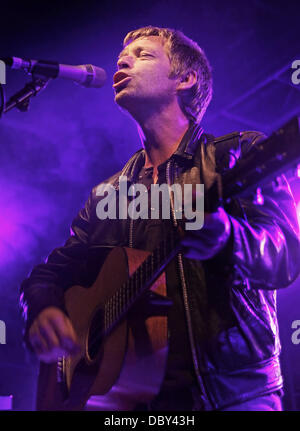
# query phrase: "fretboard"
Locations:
[[141, 280]]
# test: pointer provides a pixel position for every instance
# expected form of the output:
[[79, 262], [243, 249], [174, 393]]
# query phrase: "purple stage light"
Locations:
[[25, 215], [298, 212]]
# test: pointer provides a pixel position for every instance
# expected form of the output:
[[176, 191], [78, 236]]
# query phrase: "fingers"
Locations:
[[49, 336], [52, 335], [205, 243], [46, 344], [66, 334], [38, 342]]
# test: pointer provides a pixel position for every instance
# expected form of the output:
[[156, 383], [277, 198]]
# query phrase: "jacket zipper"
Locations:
[[203, 395], [131, 233]]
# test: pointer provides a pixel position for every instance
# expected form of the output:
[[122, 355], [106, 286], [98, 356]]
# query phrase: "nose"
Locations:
[[125, 62]]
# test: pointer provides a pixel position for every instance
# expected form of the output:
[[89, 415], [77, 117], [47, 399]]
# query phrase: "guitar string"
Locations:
[[109, 309], [96, 339], [111, 312]]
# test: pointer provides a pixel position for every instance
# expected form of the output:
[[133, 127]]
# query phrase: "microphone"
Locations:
[[84, 74]]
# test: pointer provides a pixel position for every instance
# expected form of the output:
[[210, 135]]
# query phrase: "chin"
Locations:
[[124, 100], [133, 104]]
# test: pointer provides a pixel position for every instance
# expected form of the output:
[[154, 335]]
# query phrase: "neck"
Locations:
[[161, 134]]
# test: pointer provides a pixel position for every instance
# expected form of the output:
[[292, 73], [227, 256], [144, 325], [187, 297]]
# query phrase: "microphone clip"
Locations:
[[21, 99]]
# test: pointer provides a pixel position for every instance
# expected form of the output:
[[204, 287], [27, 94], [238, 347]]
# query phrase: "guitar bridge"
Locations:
[[60, 370], [61, 376]]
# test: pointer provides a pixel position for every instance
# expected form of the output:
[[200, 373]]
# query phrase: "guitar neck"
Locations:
[[141, 280]]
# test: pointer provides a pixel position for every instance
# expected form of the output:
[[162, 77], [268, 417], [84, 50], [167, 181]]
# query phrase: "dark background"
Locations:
[[72, 138]]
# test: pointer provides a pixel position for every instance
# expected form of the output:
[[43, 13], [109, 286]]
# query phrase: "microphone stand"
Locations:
[[21, 99]]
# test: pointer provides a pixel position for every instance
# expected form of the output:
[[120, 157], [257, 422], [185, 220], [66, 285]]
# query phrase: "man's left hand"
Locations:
[[208, 241]]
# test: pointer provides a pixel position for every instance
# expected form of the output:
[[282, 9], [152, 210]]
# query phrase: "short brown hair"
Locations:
[[185, 55]]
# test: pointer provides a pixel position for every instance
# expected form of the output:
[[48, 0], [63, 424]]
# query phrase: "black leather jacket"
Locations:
[[230, 300]]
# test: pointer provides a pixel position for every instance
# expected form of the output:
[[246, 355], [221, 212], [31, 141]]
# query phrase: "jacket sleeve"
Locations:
[[47, 282], [265, 235]]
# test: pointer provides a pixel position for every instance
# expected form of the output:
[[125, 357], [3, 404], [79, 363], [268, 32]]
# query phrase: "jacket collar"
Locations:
[[185, 150], [189, 142]]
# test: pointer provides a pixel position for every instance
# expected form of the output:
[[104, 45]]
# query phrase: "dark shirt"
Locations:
[[177, 388]]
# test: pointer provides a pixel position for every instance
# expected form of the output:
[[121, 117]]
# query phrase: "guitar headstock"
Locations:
[[264, 162]]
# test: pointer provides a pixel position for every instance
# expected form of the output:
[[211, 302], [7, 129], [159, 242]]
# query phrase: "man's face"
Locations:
[[142, 80]]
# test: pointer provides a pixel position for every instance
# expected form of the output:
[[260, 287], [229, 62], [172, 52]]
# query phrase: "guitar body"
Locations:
[[128, 365]]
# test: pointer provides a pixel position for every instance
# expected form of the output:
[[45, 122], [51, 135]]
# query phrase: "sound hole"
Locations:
[[95, 335]]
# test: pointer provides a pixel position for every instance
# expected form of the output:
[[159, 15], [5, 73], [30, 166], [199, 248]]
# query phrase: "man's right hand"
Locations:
[[52, 335]]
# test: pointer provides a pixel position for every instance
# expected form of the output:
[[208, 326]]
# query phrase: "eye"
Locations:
[[145, 54]]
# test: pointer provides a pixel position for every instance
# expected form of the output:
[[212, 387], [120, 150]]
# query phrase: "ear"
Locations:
[[187, 81]]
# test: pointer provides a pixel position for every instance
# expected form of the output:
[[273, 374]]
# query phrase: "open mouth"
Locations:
[[120, 80]]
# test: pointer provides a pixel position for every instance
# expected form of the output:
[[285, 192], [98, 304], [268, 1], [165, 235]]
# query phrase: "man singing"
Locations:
[[223, 334]]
